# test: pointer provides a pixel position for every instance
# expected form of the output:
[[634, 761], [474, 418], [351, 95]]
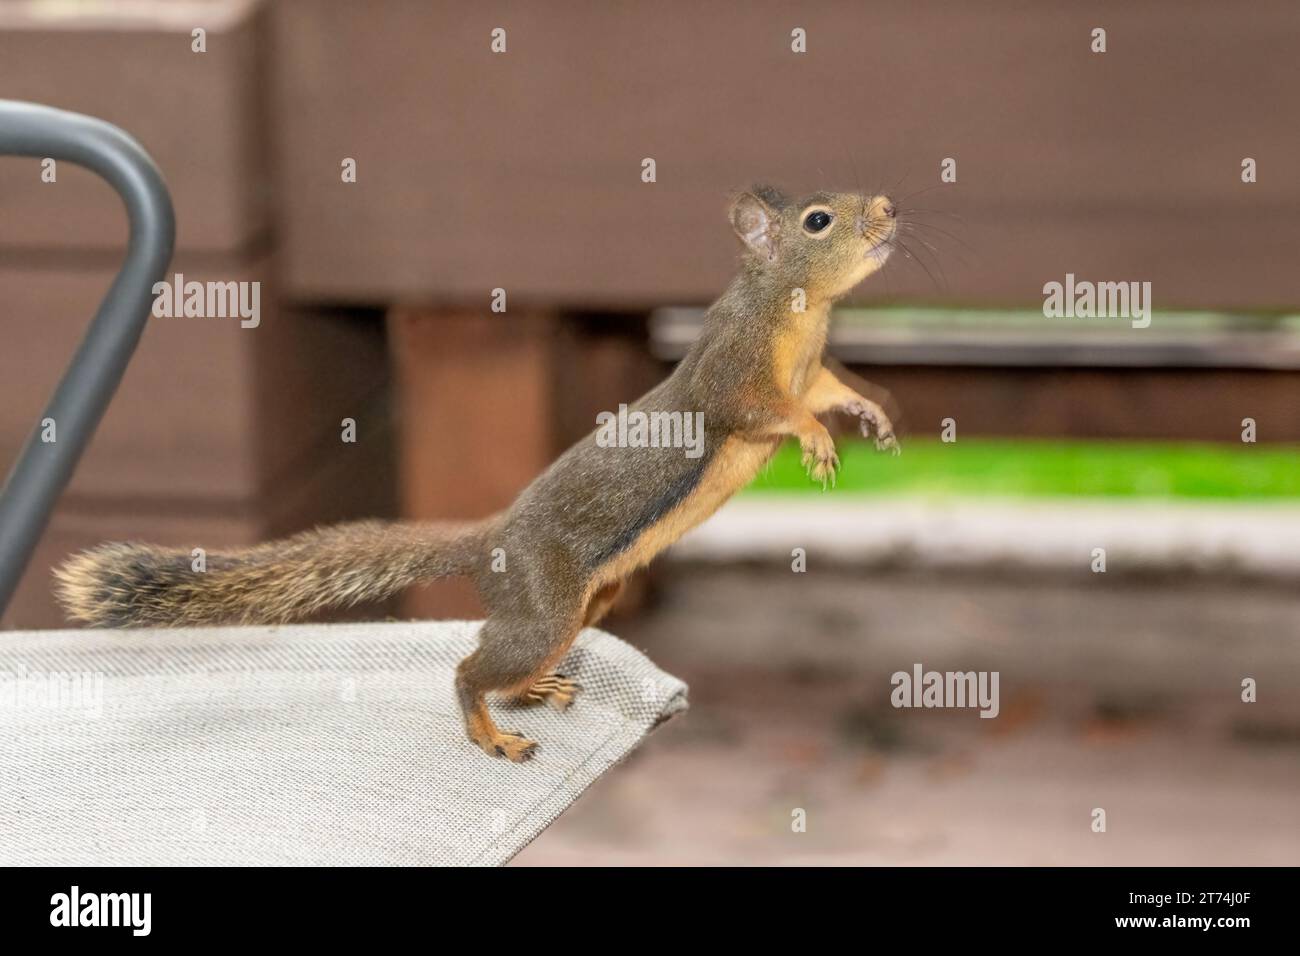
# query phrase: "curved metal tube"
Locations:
[[44, 468]]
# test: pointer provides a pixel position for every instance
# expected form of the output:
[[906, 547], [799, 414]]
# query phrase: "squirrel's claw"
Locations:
[[554, 689], [822, 465], [512, 745], [869, 419]]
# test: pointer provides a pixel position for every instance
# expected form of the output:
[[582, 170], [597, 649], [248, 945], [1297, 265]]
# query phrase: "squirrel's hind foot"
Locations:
[[513, 746], [554, 689]]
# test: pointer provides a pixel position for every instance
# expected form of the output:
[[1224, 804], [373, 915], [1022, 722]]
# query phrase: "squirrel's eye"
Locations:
[[817, 221]]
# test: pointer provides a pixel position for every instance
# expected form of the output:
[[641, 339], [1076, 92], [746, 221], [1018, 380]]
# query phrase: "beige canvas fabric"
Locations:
[[308, 745]]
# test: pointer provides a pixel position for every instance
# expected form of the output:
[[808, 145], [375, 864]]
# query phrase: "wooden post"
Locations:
[[475, 410]]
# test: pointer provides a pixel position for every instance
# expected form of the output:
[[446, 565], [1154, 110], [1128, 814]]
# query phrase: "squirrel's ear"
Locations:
[[756, 224]]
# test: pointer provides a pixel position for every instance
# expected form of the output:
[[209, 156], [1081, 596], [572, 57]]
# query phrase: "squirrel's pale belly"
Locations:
[[733, 466]]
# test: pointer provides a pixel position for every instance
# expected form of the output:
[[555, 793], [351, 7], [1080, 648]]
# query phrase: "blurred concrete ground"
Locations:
[[1117, 694], [1142, 535]]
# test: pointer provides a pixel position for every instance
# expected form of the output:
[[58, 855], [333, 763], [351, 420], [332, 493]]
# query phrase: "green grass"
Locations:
[[1037, 468]]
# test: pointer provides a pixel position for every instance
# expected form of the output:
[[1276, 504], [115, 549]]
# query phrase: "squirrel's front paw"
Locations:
[[871, 417], [885, 440], [819, 458]]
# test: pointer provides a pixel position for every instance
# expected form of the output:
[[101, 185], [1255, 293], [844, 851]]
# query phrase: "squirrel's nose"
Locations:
[[889, 209]]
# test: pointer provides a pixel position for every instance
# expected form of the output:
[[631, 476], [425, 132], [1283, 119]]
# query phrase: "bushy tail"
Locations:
[[139, 585]]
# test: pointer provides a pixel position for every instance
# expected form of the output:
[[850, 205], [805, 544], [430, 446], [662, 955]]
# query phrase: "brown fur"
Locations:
[[139, 585], [555, 560]]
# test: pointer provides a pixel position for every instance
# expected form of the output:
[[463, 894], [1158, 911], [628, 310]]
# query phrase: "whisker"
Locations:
[[922, 241], [913, 226], [926, 269], [920, 192], [937, 212], [894, 187]]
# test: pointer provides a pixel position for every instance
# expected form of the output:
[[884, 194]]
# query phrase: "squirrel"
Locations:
[[757, 375]]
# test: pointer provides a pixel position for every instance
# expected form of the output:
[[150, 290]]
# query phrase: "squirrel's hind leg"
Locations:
[[600, 603], [515, 655], [556, 689]]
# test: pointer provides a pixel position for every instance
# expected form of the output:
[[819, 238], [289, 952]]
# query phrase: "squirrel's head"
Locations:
[[825, 243]]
